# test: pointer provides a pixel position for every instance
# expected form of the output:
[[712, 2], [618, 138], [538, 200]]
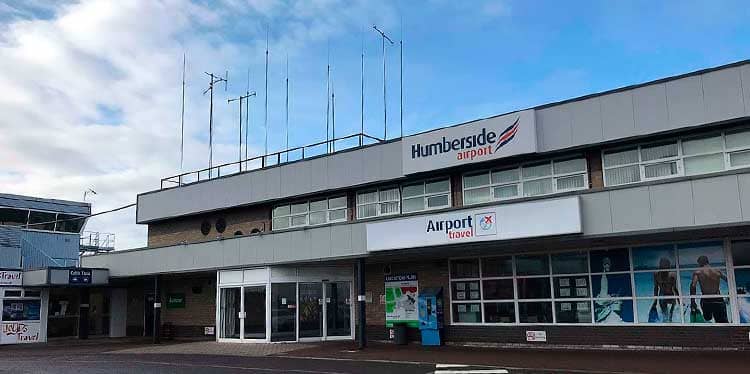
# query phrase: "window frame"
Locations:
[[425, 195], [378, 202], [520, 182], [679, 159], [290, 216]]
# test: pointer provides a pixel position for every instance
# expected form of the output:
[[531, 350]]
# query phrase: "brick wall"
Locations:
[[188, 229], [199, 310]]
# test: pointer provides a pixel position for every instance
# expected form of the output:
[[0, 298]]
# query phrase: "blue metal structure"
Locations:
[[430, 306], [37, 233]]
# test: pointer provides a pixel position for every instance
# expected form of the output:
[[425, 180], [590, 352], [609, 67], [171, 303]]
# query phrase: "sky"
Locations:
[[91, 92]]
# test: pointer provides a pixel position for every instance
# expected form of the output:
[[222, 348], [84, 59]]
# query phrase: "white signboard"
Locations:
[[536, 336], [488, 139], [20, 332], [507, 221], [11, 278]]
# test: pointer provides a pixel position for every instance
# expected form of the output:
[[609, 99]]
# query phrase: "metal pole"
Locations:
[[328, 107], [333, 118], [210, 128], [239, 155], [247, 112], [362, 301], [157, 311], [362, 93], [385, 111], [265, 146], [401, 83], [182, 116], [286, 119]]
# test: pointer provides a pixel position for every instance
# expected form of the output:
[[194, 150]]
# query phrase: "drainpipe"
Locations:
[[362, 338]]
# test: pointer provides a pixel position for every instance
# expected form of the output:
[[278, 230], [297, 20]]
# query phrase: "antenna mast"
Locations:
[[362, 92], [333, 117], [247, 112], [240, 98], [213, 80], [384, 37], [182, 116], [265, 145], [328, 100], [286, 118]]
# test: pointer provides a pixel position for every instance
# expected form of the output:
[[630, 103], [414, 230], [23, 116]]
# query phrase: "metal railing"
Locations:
[[271, 159], [97, 241]]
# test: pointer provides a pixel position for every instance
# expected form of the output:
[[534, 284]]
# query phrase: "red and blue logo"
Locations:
[[507, 135]]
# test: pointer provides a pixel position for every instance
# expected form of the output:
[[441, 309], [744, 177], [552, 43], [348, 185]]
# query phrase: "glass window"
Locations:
[[570, 263], [654, 257], [299, 208], [528, 180], [497, 289], [497, 266], [30, 293], [426, 195], [532, 265], [535, 312], [611, 260], [533, 288], [741, 252], [467, 312], [499, 313], [42, 220], [465, 268], [606, 286], [613, 311], [572, 287], [21, 310], [69, 223], [659, 311], [466, 290], [385, 201], [573, 311], [688, 156], [13, 217], [314, 212]]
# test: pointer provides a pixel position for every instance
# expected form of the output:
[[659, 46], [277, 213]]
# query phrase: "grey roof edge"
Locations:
[[46, 200]]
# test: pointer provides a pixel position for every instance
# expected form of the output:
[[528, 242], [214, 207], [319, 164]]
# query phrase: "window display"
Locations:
[[682, 283]]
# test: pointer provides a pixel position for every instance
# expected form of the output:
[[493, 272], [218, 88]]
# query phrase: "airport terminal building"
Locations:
[[619, 218]]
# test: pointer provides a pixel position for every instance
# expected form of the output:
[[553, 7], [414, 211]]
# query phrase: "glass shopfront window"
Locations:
[[682, 283]]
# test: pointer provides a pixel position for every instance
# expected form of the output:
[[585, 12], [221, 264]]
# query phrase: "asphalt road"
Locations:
[[186, 364]]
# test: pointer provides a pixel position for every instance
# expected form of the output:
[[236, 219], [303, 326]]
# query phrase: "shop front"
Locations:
[[285, 304], [24, 310]]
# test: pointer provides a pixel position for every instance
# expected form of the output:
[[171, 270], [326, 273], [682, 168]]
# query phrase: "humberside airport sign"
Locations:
[[507, 135]]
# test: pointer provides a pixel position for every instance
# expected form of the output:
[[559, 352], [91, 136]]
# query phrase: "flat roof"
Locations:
[[38, 203]]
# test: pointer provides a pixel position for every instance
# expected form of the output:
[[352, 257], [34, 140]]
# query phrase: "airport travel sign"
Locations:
[[492, 138], [500, 222]]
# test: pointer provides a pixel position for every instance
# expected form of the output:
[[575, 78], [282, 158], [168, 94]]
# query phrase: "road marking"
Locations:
[[445, 366], [479, 371], [207, 365]]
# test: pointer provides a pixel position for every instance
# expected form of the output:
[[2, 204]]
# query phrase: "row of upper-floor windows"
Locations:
[[40, 220], [679, 156]]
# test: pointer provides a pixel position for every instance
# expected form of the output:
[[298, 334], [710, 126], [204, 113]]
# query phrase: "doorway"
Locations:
[[325, 311], [242, 313]]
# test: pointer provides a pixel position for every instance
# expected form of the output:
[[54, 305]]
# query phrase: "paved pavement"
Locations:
[[138, 356]]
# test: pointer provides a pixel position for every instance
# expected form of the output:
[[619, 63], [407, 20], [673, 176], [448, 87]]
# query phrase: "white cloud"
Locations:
[[57, 73]]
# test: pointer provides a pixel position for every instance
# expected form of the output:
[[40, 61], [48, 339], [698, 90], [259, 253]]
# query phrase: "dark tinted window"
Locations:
[[42, 220], [468, 268], [497, 266], [69, 223], [13, 217]]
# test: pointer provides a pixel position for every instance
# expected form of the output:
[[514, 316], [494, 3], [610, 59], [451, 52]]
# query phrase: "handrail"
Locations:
[[264, 161]]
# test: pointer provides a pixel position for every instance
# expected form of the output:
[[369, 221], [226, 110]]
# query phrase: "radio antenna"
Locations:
[[247, 112], [265, 145], [182, 116], [286, 117], [328, 100], [333, 117], [240, 98], [401, 76], [384, 37], [362, 91], [214, 78]]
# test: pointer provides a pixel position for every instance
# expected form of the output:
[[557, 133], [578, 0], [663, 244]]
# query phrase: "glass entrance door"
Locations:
[[230, 313], [310, 310], [254, 303], [283, 312], [338, 309]]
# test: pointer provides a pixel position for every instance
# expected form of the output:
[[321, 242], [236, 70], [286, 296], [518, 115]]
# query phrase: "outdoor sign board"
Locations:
[[536, 336], [175, 300], [507, 221], [11, 278], [20, 332], [79, 276], [488, 139], [401, 292]]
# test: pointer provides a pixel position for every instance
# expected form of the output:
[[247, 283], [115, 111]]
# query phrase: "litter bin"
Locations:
[[399, 333]]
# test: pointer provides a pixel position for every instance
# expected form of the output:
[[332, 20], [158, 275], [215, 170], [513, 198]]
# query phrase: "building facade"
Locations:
[[618, 218]]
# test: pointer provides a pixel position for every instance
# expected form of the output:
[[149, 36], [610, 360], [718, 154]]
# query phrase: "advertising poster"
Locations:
[[401, 300], [20, 332]]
